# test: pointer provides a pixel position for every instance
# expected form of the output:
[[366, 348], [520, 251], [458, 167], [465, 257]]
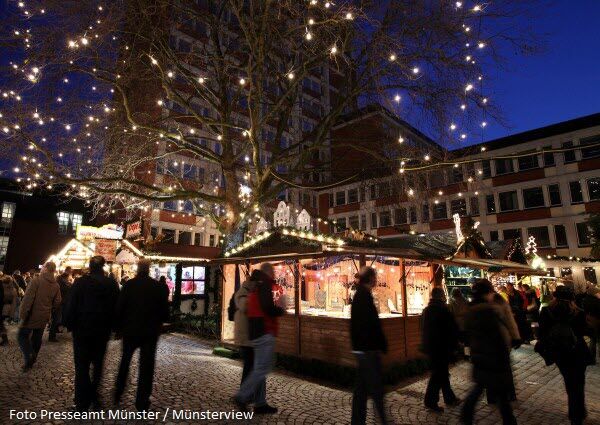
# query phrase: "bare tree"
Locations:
[[96, 94]]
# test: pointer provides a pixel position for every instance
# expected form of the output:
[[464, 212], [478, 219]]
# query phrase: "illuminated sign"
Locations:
[[108, 231]]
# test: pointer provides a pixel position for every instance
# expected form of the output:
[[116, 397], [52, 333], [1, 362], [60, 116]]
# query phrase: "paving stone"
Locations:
[[188, 376]]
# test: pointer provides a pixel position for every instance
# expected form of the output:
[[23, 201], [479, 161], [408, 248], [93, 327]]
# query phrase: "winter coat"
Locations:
[[41, 298], [509, 321], [366, 331], [20, 282], [142, 308], [65, 287], [553, 314], [490, 353], [440, 331], [241, 337], [9, 303], [459, 307], [90, 308], [261, 310]]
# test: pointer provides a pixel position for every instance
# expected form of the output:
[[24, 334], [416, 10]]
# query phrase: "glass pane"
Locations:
[[533, 197], [576, 192], [554, 192], [541, 235], [594, 189], [508, 201]]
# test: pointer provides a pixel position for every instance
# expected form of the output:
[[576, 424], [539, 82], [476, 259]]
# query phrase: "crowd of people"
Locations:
[[92, 307], [485, 328], [498, 320]]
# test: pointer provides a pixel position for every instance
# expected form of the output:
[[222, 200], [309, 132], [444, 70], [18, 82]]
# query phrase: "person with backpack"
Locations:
[[263, 327], [562, 329], [240, 319]]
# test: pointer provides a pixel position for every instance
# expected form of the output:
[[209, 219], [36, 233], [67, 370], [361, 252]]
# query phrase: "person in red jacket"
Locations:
[[262, 330]]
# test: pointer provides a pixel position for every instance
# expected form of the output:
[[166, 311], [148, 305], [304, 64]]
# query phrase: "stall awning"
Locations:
[[495, 265]]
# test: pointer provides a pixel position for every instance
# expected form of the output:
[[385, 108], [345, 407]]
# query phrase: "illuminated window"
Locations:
[[8, 212], [63, 222]]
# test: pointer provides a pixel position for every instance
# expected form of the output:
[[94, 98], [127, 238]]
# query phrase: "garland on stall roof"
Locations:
[[574, 259]]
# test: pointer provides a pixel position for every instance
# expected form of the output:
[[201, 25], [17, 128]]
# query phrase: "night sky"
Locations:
[[558, 84]]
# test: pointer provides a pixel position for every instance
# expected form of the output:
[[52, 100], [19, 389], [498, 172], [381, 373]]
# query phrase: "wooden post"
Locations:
[[297, 305], [403, 288], [404, 304]]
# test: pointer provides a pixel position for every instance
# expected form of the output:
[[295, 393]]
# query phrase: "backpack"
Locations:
[[231, 309], [561, 339]]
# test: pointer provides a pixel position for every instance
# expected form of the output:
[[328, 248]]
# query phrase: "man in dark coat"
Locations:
[[89, 315], [142, 308], [368, 342], [490, 344], [440, 341], [562, 329]]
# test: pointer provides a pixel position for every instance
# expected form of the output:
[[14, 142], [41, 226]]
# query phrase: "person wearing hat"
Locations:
[[490, 342], [562, 327]]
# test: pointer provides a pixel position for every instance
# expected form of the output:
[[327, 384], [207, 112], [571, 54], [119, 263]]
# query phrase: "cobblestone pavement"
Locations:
[[188, 376]]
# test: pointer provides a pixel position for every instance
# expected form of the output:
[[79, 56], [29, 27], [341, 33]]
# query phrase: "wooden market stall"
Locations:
[[316, 274]]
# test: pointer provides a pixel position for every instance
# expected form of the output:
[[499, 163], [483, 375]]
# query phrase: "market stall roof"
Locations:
[[496, 265]]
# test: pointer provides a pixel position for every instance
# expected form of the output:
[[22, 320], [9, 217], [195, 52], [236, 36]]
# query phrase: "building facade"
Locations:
[[547, 195], [34, 226]]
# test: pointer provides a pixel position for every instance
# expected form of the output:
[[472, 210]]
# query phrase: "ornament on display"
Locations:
[[531, 247], [457, 229], [262, 226], [303, 221], [281, 218]]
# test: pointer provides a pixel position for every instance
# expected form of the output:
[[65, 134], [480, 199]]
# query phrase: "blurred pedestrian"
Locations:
[[64, 282], [368, 343], [263, 327], [20, 281], [8, 305], [490, 353], [517, 304], [562, 329], [41, 298], [142, 308], [89, 315], [458, 306], [440, 341], [241, 337]]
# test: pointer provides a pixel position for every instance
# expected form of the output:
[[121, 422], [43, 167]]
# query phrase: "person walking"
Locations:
[[142, 308], [489, 340], [458, 306], [517, 304], [20, 281], [263, 327], [41, 298], [7, 306], [368, 343], [64, 282], [562, 329], [440, 340], [89, 314], [241, 337]]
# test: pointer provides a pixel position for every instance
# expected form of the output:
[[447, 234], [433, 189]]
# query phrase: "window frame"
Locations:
[[556, 238], [578, 183], [539, 241], [529, 190], [516, 198]]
